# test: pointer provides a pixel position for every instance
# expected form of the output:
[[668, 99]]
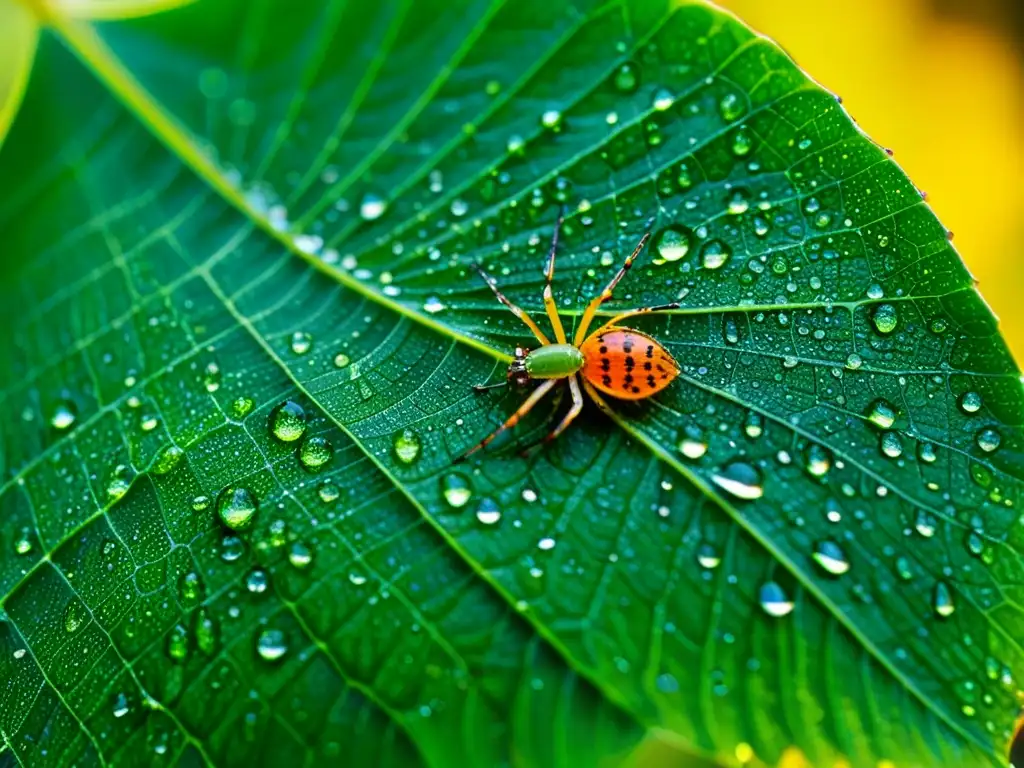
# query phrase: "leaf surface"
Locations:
[[810, 540]]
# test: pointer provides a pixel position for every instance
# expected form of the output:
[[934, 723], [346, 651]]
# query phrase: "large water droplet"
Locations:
[[671, 244], [551, 120], [236, 507], [819, 460], [663, 100], [64, 415], [942, 600], [121, 707], [433, 305], [693, 445], [74, 616], [988, 440], [731, 107], [372, 207], [924, 524], [300, 555], [742, 142], [315, 452], [740, 479], [177, 643], [774, 601], [211, 377], [708, 557], [407, 446], [753, 425], [301, 342], [488, 512], [714, 254], [271, 644], [120, 481], [191, 589], [328, 492], [890, 444], [287, 421], [206, 633], [831, 558], [456, 490], [882, 414], [970, 402], [885, 319], [627, 78], [256, 581]]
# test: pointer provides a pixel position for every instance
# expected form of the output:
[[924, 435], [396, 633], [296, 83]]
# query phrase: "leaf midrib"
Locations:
[[86, 45]]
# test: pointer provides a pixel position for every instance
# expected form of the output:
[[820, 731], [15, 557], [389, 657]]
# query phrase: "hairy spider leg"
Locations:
[[534, 398], [549, 274], [638, 311], [574, 410], [594, 305], [520, 313]]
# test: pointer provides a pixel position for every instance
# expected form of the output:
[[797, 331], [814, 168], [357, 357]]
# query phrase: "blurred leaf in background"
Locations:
[[941, 82]]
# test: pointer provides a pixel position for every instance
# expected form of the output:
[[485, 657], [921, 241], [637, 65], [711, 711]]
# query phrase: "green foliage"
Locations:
[[241, 334]]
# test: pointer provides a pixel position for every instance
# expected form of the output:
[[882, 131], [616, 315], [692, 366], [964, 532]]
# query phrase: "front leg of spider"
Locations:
[[614, 360]]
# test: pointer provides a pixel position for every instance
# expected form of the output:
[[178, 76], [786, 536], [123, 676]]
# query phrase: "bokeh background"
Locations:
[[941, 83]]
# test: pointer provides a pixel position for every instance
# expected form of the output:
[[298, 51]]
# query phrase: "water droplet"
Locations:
[[341, 360], [938, 325], [120, 705], [774, 600], [488, 512], [231, 548], [924, 524], [256, 581], [64, 415], [942, 600], [191, 589], [754, 425], [714, 254], [357, 579], [970, 402], [708, 557], [300, 555], [167, 460], [693, 445], [242, 405], [926, 453], [819, 460], [884, 318], [742, 142], [975, 543], [830, 557], [315, 452], [120, 481], [211, 377], [407, 446], [731, 107], [882, 414], [737, 202], [546, 544], [287, 421], [236, 507], [627, 78], [551, 120], [740, 479], [206, 633], [456, 490], [988, 440], [271, 644], [372, 207], [433, 305], [671, 244], [854, 361], [149, 423], [74, 616], [301, 342], [515, 144], [328, 492], [663, 99], [903, 569], [891, 445], [23, 545], [177, 643]]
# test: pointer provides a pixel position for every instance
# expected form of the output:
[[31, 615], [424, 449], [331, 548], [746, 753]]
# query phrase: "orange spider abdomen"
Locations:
[[627, 364]]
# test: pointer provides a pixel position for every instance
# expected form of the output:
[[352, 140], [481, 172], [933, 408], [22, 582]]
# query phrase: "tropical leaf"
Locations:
[[243, 334]]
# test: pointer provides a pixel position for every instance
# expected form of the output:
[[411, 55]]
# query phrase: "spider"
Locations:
[[613, 360]]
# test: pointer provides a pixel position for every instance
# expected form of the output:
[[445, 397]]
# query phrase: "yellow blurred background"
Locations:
[[941, 83]]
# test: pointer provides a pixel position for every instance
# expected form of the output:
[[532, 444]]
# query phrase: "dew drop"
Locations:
[[74, 617], [372, 207], [884, 318], [341, 360], [627, 78], [890, 444], [177, 643], [663, 100], [271, 645], [120, 705], [671, 244], [926, 453], [191, 589], [970, 402], [315, 452], [456, 490], [942, 600], [356, 579], [731, 107], [753, 426], [300, 556], [199, 503], [818, 460], [487, 512], [328, 492], [64, 415], [242, 405], [740, 479], [236, 507], [211, 377], [231, 548], [830, 558], [301, 342], [924, 524], [714, 254], [23, 545], [515, 144], [774, 600], [551, 120], [882, 414], [708, 557], [287, 421], [206, 633], [256, 581], [737, 203], [693, 445], [988, 440], [903, 569], [742, 143], [433, 305], [168, 459], [407, 446], [120, 481]]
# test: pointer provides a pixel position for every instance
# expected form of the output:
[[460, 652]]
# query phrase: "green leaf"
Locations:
[[810, 541]]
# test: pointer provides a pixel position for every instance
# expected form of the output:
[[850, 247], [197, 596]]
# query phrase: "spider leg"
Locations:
[[549, 274], [599, 401], [512, 420], [574, 411], [639, 311], [594, 305], [517, 311], [485, 387]]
